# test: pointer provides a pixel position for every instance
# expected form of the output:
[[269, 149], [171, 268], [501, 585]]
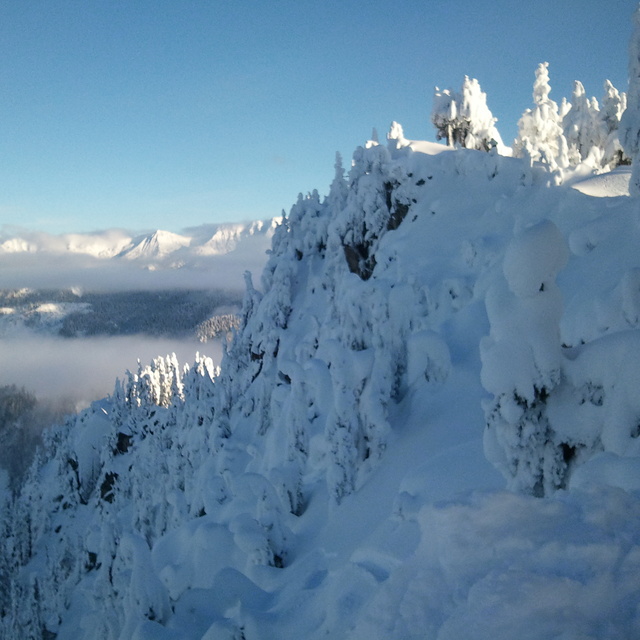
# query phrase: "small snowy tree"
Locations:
[[630, 122], [483, 134], [522, 362], [395, 136], [540, 134], [464, 119], [613, 105], [339, 190], [580, 125], [444, 116]]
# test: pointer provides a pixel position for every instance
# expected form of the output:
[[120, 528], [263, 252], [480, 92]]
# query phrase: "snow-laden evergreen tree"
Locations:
[[463, 118], [540, 134], [613, 105], [483, 134], [368, 209], [581, 128], [444, 116], [339, 189], [395, 137], [522, 361], [558, 402], [630, 121]]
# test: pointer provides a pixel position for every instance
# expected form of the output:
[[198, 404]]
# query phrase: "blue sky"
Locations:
[[149, 114]]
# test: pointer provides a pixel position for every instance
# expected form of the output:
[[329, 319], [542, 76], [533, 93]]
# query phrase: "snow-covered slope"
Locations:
[[438, 317]]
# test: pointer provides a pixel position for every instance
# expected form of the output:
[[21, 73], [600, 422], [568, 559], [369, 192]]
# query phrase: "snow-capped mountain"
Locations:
[[226, 238], [102, 244], [107, 283], [17, 245], [212, 256], [158, 247], [425, 427]]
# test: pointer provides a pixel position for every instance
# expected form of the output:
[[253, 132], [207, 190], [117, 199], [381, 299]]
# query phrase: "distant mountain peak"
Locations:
[[156, 245], [159, 249]]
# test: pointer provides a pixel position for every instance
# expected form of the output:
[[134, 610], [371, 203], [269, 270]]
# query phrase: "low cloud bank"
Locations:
[[47, 271], [85, 369], [211, 257]]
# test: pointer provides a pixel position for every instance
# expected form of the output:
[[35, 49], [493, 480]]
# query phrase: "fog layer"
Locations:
[[85, 369]]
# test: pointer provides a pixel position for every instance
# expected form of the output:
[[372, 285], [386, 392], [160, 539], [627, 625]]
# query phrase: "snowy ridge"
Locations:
[[435, 316], [227, 237], [16, 245], [204, 257], [105, 244], [158, 246]]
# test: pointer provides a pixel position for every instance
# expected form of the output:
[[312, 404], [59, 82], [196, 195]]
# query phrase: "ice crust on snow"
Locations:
[[442, 324]]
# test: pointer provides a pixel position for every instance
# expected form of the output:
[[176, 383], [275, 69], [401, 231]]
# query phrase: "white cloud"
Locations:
[[38, 260], [47, 271], [85, 369]]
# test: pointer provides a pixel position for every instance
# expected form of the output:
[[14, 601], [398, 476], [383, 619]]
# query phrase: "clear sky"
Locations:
[[149, 114]]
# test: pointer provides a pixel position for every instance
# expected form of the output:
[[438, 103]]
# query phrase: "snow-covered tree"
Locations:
[[630, 121], [522, 361], [368, 210], [464, 119], [613, 105], [540, 134], [483, 134], [444, 116], [591, 130], [395, 137], [580, 125], [339, 190]]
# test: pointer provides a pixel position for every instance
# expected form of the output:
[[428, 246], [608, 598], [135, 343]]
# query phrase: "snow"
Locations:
[[427, 426], [226, 237], [104, 244], [500, 565], [534, 259], [209, 256], [158, 248], [430, 148], [16, 245], [157, 245], [606, 185]]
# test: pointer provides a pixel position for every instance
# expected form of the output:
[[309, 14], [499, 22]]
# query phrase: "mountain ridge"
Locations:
[[159, 244]]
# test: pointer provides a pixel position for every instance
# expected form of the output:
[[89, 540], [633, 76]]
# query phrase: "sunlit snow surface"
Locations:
[[606, 185], [357, 395]]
